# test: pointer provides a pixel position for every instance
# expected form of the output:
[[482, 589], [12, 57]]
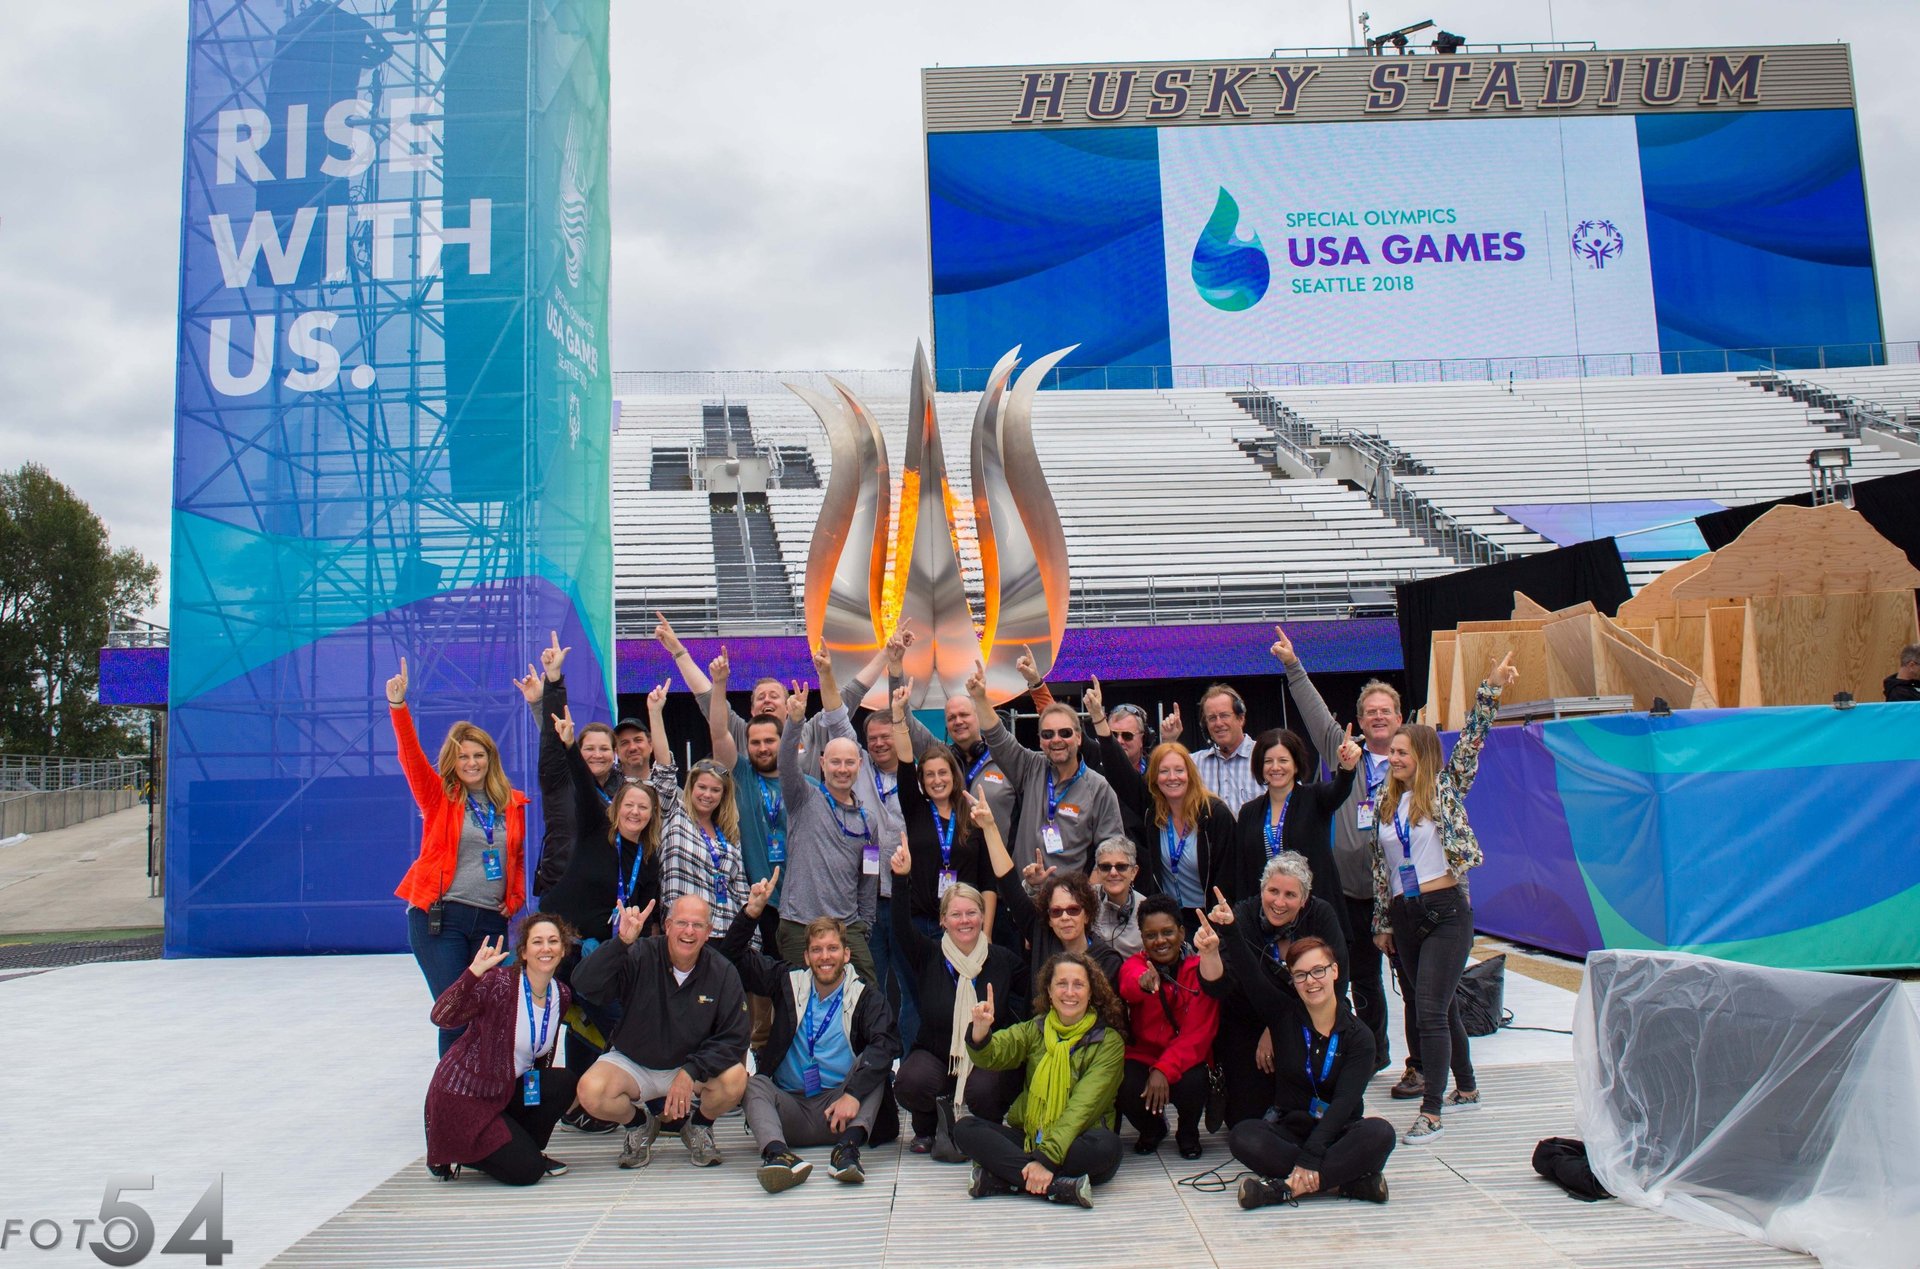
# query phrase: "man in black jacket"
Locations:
[[1904, 684], [679, 1051], [826, 1068]]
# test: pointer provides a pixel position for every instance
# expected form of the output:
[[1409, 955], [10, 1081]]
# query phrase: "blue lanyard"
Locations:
[[1276, 831], [840, 821], [486, 821], [717, 845], [944, 830], [879, 791], [1374, 781], [632, 885], [546, 1013], [770, 798], [814, 1033], [1403, 827], [1177, 846], [1053, 798], [1326, 1067], [606, 798], [979, 765]]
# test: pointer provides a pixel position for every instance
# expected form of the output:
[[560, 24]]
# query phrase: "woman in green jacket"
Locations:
[[1059, 1139]]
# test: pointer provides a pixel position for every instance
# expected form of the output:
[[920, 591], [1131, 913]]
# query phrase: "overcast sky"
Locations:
[[767, 196]]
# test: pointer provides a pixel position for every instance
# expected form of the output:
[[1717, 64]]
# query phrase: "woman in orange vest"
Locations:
[[470, 875]]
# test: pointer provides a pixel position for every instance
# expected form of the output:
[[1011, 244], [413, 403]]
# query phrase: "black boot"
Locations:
[[986, 1185], [944, 1151], [1076, 1191], [1259, 1191]]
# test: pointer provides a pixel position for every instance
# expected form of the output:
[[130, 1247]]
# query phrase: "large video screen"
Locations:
[[1238, 244]]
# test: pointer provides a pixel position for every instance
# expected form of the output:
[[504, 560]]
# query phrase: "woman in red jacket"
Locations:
[[470, 875], [1172, 1024], [496, 1095]]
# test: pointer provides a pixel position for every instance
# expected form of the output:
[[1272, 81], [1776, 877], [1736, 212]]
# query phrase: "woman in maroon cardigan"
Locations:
[[496, 1095]]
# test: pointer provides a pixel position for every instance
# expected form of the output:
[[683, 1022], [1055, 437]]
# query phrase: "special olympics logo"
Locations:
[[1598, 241]]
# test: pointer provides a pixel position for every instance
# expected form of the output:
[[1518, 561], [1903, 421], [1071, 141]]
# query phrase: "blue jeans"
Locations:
[[889, 963], [443, 956]]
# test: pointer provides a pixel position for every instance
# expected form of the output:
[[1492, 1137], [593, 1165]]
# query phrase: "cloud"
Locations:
[[767, 200]]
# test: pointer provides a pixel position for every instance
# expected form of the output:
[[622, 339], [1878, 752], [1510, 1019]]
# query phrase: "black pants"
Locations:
[[1432, 937], [923, 1078], [1249, 1089], [1189, 1098], [1271, 1150], [1367, 988], [519, 1162], [1094, 1154]]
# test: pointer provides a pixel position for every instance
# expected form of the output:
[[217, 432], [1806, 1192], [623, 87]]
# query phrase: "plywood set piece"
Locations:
[[1583, 608], [1802, 649], [1796, 551], [1641, 630], [1479, 652], [1683, 638], [1570, 654], [1440, 677], [1626, 666], [1720, 653], [1501, 627], [1656, 598], [1524, 607]]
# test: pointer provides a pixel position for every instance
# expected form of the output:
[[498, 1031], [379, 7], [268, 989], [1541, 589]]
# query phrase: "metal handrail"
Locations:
[[23, 774], [1234, 375]]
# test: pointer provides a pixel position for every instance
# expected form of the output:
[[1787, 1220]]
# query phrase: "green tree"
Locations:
[[60, 587]]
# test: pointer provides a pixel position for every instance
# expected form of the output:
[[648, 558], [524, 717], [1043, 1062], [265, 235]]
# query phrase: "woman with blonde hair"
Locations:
[[1187, 842], [1421, 856], [470, 874], [700, 848]]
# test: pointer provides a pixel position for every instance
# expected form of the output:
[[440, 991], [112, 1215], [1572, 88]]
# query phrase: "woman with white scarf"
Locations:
[[954, 974]]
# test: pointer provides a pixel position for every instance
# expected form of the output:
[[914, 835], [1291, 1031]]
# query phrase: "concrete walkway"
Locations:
[[92, 876]]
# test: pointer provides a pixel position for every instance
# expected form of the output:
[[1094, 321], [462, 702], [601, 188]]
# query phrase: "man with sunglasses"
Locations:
[[1068, 806]]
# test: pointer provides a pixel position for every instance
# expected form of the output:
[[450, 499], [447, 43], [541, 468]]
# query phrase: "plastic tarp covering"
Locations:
[[1780, 1104]]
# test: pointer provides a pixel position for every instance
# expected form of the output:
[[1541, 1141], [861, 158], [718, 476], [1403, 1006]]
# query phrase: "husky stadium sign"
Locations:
[[1336, 89]]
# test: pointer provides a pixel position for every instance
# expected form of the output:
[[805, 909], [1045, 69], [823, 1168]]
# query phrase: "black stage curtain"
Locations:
[[1590, 571], [1891, 504]]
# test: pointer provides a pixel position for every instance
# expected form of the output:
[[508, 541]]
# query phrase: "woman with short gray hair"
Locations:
[[1116, 865]]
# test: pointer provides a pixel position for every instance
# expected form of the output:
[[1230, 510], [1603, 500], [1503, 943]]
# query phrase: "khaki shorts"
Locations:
[[652, 1083]]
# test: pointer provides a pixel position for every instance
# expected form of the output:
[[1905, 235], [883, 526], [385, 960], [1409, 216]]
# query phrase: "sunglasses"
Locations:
[[1057, 733], [1125, 736], [1069, 909], [707, 766], [1317, 973], [1113, 866]]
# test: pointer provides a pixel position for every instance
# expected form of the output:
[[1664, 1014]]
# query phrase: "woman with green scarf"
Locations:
[[1059, 1139]]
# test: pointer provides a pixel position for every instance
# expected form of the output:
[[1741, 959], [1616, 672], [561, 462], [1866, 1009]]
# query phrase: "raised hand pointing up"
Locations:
[[1349, 751], [397, 686], [983, 1018]]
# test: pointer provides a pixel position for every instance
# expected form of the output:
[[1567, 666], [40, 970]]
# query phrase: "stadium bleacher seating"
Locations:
[[1171, 514]]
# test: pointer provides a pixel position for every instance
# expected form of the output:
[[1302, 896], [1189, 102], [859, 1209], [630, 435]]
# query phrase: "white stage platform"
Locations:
[[300, 1081]]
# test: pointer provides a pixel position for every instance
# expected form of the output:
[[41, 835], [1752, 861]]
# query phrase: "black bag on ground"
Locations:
[[1563, 1161], [1482, 995]]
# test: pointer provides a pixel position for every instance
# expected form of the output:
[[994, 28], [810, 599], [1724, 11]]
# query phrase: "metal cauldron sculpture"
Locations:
[[866, 573]]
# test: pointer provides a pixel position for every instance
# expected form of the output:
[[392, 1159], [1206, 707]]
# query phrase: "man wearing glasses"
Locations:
[[1122, 753], [1066, 805]]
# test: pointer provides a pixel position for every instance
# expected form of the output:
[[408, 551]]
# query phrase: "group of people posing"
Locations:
[[1018, 947]]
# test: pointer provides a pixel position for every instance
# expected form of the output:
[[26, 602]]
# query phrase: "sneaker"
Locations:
[[943, 1150], [552, 1166], [1425, 1128], [845, 1163], [1076, 1191], [984, 1184], [782, 1170], [636, 1151], [921, 1145], [1371, 1188], [1457, 1100], [1258, 1191], [580, 1121], [1411, 1085], [701, 1150]]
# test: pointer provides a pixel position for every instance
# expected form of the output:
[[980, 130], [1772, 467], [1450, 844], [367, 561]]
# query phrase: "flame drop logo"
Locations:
[[574, 212], [1229, 273]]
